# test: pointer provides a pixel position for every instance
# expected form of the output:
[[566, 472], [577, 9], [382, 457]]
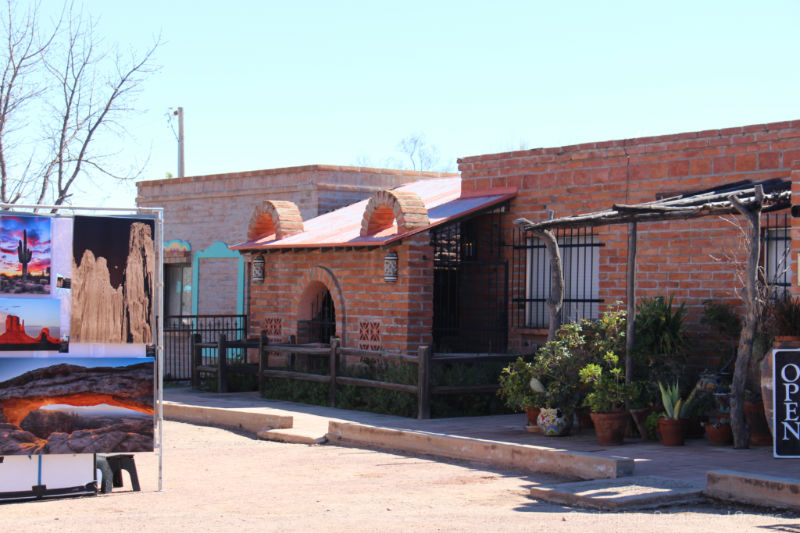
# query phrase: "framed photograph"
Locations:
[[29, 325], [61, 405], [25, 248], [112, 280]]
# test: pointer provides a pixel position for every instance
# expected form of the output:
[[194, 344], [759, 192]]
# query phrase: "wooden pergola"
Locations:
[[747, 198]]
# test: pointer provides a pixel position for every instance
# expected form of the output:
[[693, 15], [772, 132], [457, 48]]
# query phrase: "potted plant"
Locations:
[[670, 425], [555, 368], [760, 435], [607, 398], [781, 320], [516, 389], [718, 430], [660, 340]]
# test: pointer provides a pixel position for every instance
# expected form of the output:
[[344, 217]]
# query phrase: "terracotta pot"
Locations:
[[719, 434], [671, 430], [786, 341], [532, 413], [610, 427], [760, 435]]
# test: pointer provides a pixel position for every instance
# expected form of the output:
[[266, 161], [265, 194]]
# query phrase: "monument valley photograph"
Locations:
[[25, 248], [76, 405], [113, 267], [29, 325]]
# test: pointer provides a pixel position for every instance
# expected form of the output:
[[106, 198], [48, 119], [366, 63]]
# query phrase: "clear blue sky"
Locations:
[[269, 84]]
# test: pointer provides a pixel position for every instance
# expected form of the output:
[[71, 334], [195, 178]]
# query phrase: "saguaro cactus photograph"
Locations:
[[25, 251]]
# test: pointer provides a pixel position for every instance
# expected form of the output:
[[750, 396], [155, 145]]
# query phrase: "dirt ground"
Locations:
[[217, 480]]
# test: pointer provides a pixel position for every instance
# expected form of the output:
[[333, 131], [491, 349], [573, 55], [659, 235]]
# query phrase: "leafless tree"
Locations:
[[421, 155], [78, 90]]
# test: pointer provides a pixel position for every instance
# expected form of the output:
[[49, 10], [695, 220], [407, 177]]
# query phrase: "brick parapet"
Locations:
[[692, 260]]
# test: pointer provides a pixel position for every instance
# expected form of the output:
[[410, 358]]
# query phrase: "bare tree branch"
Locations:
[[83, 88]]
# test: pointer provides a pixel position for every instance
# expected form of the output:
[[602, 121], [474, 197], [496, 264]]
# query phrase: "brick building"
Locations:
[[203, 214], [468, 280]]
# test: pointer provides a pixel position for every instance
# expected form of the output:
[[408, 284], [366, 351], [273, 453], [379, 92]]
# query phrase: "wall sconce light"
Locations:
[[390, 267], [258, 268]]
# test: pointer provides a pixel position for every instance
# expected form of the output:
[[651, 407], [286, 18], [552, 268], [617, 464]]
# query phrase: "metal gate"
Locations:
[[322, 325], [178, 331], [470, 287]]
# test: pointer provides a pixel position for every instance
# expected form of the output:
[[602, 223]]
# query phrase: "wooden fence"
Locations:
[[221, 367]]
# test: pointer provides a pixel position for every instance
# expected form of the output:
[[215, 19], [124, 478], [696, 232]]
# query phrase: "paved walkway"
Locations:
[[690, 463]]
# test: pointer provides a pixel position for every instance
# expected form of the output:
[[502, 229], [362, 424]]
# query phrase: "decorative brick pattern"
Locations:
[[273, 326], [280, 217], [406, 207], [369, 335]]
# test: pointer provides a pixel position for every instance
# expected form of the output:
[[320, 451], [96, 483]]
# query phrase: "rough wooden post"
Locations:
[[222, 356], [263, 360], [292, 340], [197, 359], [334, 358], [424, 356], [741, 437], [556, 299], [630, 295]]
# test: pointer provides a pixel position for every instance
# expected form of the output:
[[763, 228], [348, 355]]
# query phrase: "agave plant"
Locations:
[[671, 399]]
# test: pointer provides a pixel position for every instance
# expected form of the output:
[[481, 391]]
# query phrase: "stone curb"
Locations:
[[529, 458], [753, 489], [636, 492], [291, 436], [252, 422]]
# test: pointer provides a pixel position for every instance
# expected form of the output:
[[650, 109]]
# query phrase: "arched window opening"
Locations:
[[317, 321]]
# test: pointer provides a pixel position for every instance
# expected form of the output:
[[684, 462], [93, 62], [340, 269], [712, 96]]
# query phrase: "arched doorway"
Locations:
[[316, 321]]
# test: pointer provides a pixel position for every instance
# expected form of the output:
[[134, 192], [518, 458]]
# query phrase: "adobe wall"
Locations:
[[401, 313], [690, 260]]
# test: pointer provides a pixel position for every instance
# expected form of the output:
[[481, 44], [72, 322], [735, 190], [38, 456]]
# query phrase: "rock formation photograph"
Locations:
[[76, 405], [25, 248], [113, 269], [29, 324]]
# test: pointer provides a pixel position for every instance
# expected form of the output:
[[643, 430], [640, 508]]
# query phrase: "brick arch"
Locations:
[[275, 216], [387, 206], [323, 275]]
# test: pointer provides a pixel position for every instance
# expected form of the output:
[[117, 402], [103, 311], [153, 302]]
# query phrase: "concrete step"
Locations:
[[250, 420], [530, 458], [634, 492], [292, 436], [754, 489]]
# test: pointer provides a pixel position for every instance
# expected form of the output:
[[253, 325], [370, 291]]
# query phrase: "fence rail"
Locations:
[[220, 365], [178, 332]]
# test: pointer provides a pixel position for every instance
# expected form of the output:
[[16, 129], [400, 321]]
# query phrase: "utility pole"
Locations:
[[179, 113]]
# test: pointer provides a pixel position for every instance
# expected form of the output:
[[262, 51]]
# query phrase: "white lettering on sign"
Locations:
[[791, 423], [791, 411], [796, 372]]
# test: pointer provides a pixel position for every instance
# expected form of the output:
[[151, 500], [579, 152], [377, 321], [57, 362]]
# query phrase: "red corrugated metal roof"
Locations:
[[442, 197]]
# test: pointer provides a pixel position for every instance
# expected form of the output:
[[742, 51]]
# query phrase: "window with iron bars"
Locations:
[[580, 263], [775, 256]]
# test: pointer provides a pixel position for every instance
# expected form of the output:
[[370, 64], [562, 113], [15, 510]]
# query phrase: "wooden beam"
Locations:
[[630, 295], [744, 352]]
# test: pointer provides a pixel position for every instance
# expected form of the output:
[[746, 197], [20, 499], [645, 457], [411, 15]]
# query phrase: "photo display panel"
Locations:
[[76, 316]]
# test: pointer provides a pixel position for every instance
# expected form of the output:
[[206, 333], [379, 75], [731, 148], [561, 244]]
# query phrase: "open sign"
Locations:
[[786, 371]]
